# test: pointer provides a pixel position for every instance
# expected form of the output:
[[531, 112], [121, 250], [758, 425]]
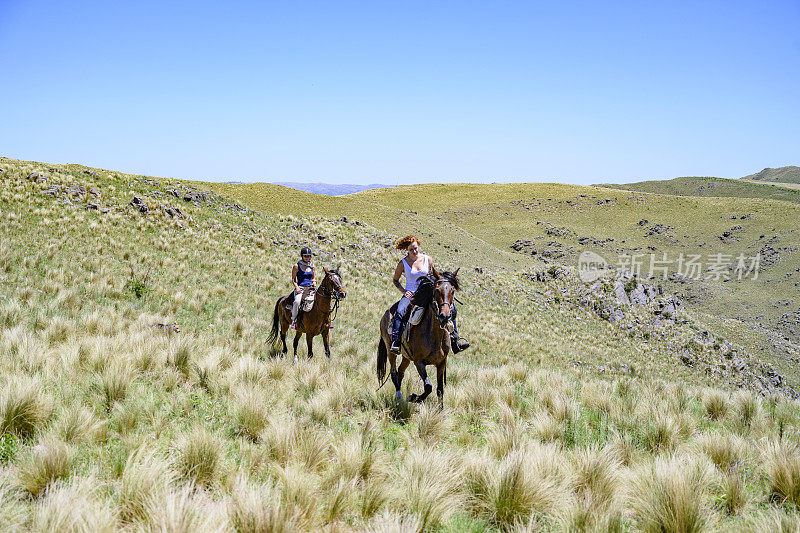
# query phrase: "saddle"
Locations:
[[307, 302], [415, 313]]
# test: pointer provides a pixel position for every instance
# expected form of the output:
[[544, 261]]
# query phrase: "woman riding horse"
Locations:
[[428, 343], [415, 266], [317, 321], [302, 278]]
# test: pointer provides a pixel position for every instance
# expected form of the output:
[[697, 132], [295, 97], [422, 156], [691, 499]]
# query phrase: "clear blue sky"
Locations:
[[403, 92]]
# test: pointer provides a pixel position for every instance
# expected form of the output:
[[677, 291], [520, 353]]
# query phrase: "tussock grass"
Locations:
[[259, 509], [24, 409], [199, 456], [144, 477], [75, 507], [669, 494], [49, 461], [782, 470]]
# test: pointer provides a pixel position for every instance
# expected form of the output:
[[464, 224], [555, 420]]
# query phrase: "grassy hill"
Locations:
[[788, 174], [713, 187], [555, 419]]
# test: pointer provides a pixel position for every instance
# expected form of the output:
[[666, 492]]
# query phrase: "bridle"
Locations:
[[438, 306], [326, 292]]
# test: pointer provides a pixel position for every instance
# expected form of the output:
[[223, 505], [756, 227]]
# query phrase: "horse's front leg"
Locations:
[[397, 377], [325, 332], [295, 343], [309, 342], [441, 377], [423, 373], [284, 329]]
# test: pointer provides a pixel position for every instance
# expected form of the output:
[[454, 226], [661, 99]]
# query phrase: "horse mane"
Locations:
[[424, 293], [452, 278]]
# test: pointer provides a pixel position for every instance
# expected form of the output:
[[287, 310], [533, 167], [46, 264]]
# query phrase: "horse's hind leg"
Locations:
[[441, 377], [428, 387], [310, 345], [397, 377], [284, 329]]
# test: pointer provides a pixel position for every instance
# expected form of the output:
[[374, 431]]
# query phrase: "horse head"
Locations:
[[333, 283], [445, 285]]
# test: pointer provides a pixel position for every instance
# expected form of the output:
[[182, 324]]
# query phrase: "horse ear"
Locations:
[[456, 272], [436, 273], [325, 270], [339, 267]]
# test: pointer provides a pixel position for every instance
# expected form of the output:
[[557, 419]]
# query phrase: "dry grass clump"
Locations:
[[49, 461], [669, 495], [715, 403], [748, 411], [430, 485], [79, 425], [144, 476], [183, 510], [524, 482], [260, 509], [76, 507], [23, 408], [594, 479], [782, 470], [726, 451], [199, 456], [250, 412]]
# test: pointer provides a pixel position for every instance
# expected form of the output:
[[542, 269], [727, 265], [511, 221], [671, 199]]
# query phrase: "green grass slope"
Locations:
[[788, 174], [708, 187], [555, 419]]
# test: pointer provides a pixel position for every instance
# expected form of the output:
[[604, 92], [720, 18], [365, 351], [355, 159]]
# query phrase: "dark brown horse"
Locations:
[[428, 342], [315, 322]]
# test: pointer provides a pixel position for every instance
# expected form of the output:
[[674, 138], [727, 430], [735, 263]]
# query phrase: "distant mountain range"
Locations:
[[780, 175], [330, 189]]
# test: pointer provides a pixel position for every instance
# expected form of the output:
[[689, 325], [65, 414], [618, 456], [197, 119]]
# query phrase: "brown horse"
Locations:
[[314, 322], [428, 342]]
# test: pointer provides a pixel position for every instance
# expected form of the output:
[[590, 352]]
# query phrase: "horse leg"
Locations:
[[441, 377], [284, 329], [325, 331], [309, 341], [428, 387], [397, 377], [295, 343]]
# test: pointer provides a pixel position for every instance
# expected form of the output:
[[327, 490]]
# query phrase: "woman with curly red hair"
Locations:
[[415, 266]]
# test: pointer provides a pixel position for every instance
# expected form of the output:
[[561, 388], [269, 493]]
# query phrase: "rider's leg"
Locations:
[[398, 321], [456, 342], [296, 307]]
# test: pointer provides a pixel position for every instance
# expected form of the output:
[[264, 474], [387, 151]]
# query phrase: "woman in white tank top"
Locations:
[[414, 266]]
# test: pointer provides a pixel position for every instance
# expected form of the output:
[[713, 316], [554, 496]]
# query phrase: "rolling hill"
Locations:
[[788, 174], [579, 406]]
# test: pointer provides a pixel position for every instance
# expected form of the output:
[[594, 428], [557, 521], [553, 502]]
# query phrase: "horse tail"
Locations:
[[276, 323], [382, 355]]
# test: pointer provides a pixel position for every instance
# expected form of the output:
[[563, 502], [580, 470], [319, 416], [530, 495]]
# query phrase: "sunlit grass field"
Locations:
[[108, 423]]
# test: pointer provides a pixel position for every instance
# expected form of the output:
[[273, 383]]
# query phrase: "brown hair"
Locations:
[[405, 242]]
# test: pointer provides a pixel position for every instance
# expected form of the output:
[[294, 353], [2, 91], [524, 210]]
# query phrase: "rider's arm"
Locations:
[[313, 276], [294, 277], [396, 278]]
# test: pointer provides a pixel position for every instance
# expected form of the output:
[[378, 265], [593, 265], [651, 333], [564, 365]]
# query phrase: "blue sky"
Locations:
[[403, 92]]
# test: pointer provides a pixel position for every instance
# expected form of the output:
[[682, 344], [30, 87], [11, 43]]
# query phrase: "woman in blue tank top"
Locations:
[[302, 277], [414, 266]]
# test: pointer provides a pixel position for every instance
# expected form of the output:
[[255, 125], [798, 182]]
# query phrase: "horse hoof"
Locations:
[[398, 396], [414, 398]]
